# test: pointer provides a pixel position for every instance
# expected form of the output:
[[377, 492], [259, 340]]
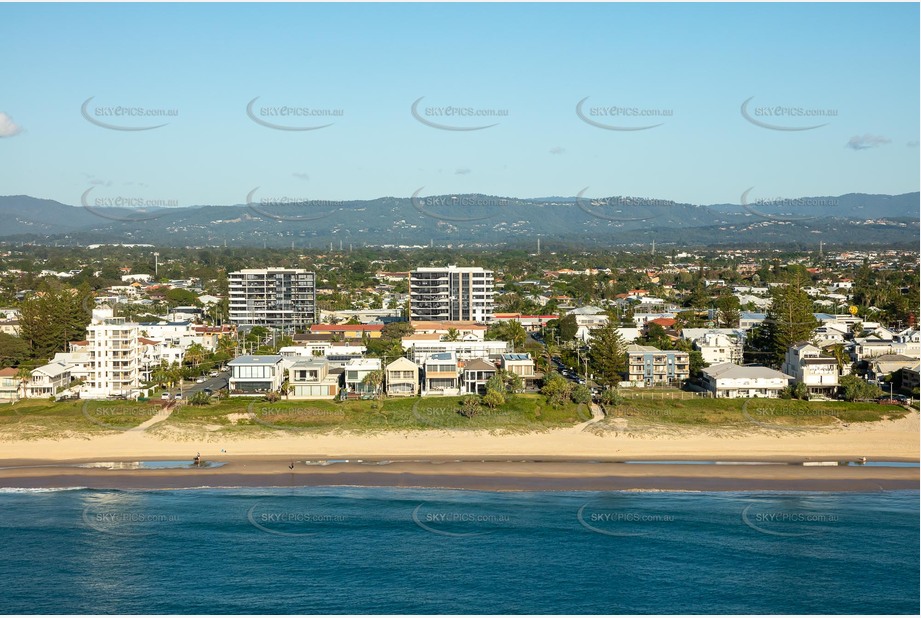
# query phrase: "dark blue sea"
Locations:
[[388, 550]]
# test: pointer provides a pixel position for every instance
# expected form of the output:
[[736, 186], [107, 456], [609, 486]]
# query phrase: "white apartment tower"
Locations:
[[452, 293], [283, 298], [114, 356]]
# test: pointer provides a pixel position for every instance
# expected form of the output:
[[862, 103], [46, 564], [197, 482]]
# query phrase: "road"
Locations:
[[215, 384]]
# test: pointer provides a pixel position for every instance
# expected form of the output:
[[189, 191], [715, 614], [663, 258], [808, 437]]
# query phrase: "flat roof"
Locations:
[[250, 359]]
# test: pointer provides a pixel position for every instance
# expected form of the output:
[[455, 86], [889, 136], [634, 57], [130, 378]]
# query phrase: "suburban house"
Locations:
[[402, 377], [442, 376], [750, 319], [349, 331], [356, 369], [323, 348], [530, 323], [909, 378], [469, 331], [421, 346], [476, 374], [255, 375], [522, 365], [716, 348], [881, 366], [726, 380], [309, 378], [47, 379], [80, 363], [650, 366], [805, 364], [9, 384]]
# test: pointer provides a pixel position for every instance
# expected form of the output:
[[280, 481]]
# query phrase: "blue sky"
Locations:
[[698, 63]]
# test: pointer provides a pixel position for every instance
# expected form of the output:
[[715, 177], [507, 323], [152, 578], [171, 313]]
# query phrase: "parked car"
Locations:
[[199, 380], [214, 374], [165, 396], [178, 396]]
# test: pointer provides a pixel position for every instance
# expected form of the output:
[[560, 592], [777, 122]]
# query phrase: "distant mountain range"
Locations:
[[474, 220]]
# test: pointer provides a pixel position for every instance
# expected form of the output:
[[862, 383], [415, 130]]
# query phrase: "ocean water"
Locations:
[[391, 550]]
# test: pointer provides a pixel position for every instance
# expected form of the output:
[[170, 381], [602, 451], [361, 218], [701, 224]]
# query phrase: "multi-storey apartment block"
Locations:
[[282, 298], [113, 348], [452, 293]]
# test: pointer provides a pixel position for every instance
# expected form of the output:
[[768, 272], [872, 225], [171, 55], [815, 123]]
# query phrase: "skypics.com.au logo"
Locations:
[[125, 117], [289, 208], [625, 116], [455, 117], [780, 116], [290, 117]]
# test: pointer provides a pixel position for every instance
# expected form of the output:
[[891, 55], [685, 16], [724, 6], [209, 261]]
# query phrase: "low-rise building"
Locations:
[[309, 378], [476, 374], [881, 366], [910, 379], [420, 347], [356, 370], [10, 384], [727, 380], [47, 380], [522, 365], [650, 366], [805, 363], [402, 378], [716, 348], [442, 374], [255, 375]]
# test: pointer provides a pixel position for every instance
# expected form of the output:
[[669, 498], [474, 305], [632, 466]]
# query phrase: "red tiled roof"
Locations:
[[332, 328]]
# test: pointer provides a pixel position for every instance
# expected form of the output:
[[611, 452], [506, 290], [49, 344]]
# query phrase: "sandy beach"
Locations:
[[571, 458]]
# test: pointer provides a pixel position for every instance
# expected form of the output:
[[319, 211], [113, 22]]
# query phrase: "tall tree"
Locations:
[[789, 319], [729, 311], [608, 355]]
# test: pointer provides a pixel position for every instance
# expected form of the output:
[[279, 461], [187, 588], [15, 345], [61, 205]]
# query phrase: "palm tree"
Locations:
[[374, 379], [195, 354], [452, 335], [24, 375]]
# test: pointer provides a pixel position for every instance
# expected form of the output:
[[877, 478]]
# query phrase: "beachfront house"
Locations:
[[402, 377], [47, 380], [9, 384], [476, 374], [442, 375], [806, 364], [356, 370], [726, 380], [309, 378], [522, 365], [255, 375]]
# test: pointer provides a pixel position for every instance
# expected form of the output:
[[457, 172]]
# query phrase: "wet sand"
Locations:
[[490, 475]]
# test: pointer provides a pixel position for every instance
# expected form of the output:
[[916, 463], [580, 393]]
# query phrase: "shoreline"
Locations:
[[565, 459], [469, 475]]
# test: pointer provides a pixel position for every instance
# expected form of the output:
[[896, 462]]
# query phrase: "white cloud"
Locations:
[[301, 175], [463, 171], [557, 150], [8, 128], [862, 142]]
